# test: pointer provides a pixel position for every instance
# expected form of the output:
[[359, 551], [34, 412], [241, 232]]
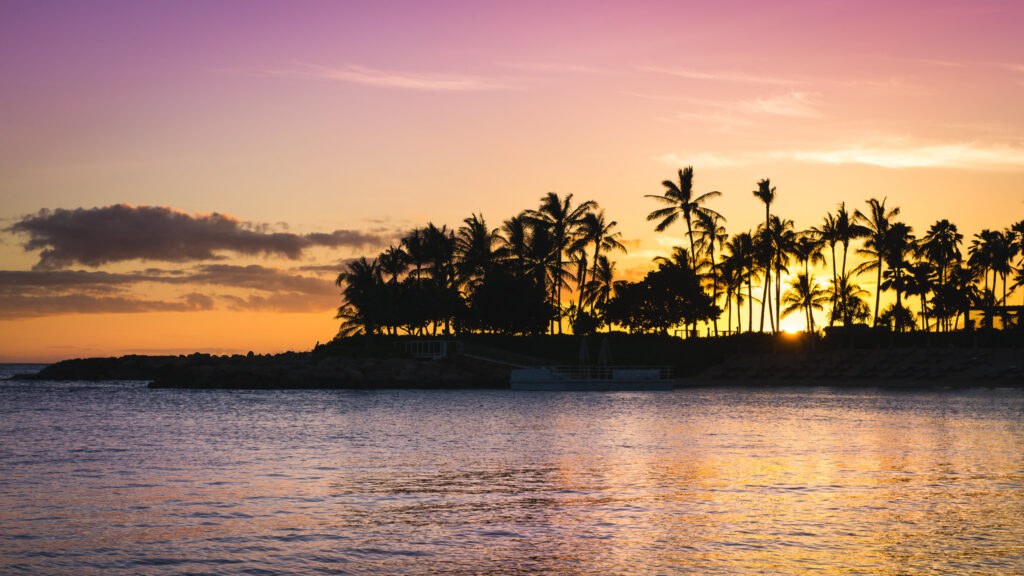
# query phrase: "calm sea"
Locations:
[[113, 478]]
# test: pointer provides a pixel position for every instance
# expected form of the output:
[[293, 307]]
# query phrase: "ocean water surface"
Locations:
[[114, 478]]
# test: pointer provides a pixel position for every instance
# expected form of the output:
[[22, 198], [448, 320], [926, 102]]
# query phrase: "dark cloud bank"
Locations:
[[30, 293], [98, 236]]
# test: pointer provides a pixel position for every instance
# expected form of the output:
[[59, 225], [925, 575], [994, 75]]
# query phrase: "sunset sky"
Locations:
[[206, 166]]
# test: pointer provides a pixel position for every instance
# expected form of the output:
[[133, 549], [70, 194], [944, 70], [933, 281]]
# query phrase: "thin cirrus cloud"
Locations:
[[953, 156], [427, 82], [793, 105], [19, 305], [734, 77], [957, 155], [97, 236]]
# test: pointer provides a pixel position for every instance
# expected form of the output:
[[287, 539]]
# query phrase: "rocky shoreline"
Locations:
[[914, 367], [901, 367], [281, 371]]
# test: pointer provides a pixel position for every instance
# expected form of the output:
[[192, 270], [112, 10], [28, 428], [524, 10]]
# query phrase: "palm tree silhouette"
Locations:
[[941, 247], [711, 232], [876, 221], [899, 244], [828, 233], [362, 281], [741, 252], [681, 202], [562, 222], [474, 248], [848, 301], [920, 281], [782, 240], [766, 193], [597, 230], [393, 261], [804, 294]]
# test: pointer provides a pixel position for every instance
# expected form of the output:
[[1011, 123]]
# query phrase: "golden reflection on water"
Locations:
[[714, 481]]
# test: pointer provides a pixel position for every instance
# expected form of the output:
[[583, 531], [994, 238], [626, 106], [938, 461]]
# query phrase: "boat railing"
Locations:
[[595, 372]]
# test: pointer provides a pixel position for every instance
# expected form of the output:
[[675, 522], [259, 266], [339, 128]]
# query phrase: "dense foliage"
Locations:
[[549, 267]]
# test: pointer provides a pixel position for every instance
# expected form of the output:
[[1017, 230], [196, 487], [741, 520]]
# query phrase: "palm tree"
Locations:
[[804, 294], [899, 243], [711, 232], [393, 261], [782, 239], [741, 250], [562, 223], [764, 257], [941, 247], [847, 230], [601, 286], [681, 202], [474, 247], [920, 281], [362, 281], [828, 233], [766, 193], [877, 224], [597, 230], [848, 302]]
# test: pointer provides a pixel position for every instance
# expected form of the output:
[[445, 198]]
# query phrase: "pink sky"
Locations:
[[383, 115]]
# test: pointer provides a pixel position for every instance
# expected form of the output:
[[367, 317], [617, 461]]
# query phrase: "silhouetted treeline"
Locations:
[[549, 267]]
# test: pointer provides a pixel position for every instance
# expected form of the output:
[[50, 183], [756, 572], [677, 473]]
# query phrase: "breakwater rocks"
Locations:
[[897, 366], [282, 371]]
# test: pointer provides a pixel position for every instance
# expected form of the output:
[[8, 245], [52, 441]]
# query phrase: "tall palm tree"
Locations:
[[562, 223], [941, 247], [828, 233], [741, 250], [602, 284], [783, 243], [899, 243], [804, 294], [764, 258], [681, 203], [597, 230], [920, 281], [876, 221], [766, 193], [847, 229], [709, 233]]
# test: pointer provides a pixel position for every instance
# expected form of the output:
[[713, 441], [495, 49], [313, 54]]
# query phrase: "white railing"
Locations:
[[430, 349]]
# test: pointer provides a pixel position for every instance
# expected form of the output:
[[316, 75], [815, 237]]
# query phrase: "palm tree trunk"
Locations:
[[778, 299], [878, 291], [714, 281], [750, 301], [846, 314], [764, 295], [835, 285]]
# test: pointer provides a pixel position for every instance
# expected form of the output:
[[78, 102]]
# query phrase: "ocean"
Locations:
[[115, 478]]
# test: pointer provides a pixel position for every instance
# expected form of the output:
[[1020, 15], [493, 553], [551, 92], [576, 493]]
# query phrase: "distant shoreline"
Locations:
[[723, 365]]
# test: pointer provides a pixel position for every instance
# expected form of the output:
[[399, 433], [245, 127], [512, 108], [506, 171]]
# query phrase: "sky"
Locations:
[[182, 176]]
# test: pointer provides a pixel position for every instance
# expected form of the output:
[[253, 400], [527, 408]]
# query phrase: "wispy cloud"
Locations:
[[549, 67], [962, 156], [427, 82], [738, 77], [957, 155], [703, 160], [793, 104]]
